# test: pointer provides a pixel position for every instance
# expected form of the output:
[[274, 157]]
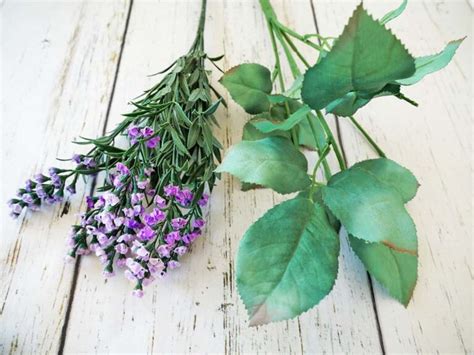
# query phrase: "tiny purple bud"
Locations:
[[173, 264], [153, 142], [147, 132], [181, 250], [203, 201], [108, 274], [178, 223], [77, 158], [163, 251], [160, 201], [142, 184], [138, 293], [198, 223], [171, 190], [122, 168]]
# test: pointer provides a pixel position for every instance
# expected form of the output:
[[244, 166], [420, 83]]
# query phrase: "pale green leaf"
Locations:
[[286, 125], [287, 261], [397, 272], [365, 58], [251, 133], [394, 13], [431, 63], [249, 85], [271, 162], [392, 175], [370, 208]]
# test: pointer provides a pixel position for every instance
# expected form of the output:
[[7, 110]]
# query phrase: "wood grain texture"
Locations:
[[433, 141], [58, 67], [62, 72]]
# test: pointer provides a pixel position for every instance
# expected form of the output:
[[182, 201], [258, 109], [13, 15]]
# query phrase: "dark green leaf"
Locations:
[[396, 271], [365, 58], [181, 115], [271, 162], [178, 142], [212, 108], [287, 261], [249, 85], [352, 101], [193, 135], [431, 63]]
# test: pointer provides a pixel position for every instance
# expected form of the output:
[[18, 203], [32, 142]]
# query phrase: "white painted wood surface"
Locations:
[[59, 66]]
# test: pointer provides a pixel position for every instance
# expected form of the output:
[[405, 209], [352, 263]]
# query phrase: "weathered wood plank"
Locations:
[[434, 142], [197, 309], [58, 67]]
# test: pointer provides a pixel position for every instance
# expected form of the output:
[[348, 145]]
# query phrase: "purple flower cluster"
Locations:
[[142, 222], [40, 189], [136, 133], [49, 188], [138, 229]]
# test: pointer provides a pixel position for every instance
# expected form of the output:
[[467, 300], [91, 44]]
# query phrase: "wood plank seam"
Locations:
[[77, 265], [344, 155]]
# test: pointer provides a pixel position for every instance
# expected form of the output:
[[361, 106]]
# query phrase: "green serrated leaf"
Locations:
[[365, 58], [287, 261], [394, 13], [364, 200], [288, 124], [431, 63], [249, 85], [397, 272], [392, 175], [271, 162], [351, 102], [251, 133]]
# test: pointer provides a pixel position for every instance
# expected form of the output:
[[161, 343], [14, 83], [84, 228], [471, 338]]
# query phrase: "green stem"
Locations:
[[277, 57], [293, 47], [295, 71], [326, 168], [332, 140], [198, 43], [379, 151]]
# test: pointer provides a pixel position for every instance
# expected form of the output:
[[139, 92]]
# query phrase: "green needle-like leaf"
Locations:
[[364, 199], [271, 162], [287, 261], [249, 85], [397, 272], [431, 63], [365, 58]]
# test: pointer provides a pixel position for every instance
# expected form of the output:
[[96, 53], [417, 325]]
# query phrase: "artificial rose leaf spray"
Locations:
[[150, 209]]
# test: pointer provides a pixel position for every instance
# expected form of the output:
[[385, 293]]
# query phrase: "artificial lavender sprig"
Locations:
[[150, 209]]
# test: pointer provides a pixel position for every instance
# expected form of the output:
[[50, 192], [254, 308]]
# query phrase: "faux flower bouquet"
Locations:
[[150, 208]]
